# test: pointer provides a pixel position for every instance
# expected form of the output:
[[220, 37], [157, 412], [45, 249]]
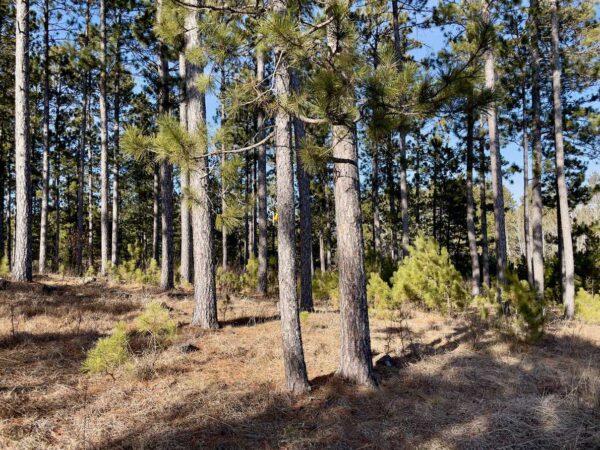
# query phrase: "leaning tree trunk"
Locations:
[[46, 138], [563, 194], [293, 353], [22, 256], [186, 223], [306, 297], [104, 226], [165, 174], [471, 233], [356, 364], [205, 295], [485, 252], [537, 235], [261, 185], [496, 167]]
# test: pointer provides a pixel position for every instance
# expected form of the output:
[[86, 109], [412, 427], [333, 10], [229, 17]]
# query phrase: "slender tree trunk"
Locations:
[[389, 172], [104, 225], [496, 167], [485, 252], [471, 233], [404, 197], [46, 138], [186, 223], [224, 255], [56, 261], [90, 202], [3, 181], [375, 202], [526, 202], [418, 186], [322, 252], [205, 295], [156, 215], [537, 235], [306, 297], [563, 195], [22, 270], [356, 364], [116, 152], [262, 187], [293, 352]]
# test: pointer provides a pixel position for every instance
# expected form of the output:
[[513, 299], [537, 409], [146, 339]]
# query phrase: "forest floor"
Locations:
[[449, 382]]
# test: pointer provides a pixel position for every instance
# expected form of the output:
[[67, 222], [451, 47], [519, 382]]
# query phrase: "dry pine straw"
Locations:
[[451, 384]]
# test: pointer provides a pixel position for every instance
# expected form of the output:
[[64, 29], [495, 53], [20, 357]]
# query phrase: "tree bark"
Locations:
[[46, 143], [471, 233], [261, 186], [537, 235], [90, 202], [116, 152], [156, 215], [404, 197], [485, 252], [563, 195], [104, 226], [526, 201], [375, 202], [22, 270], [186, 223], [391, 187], [496, 166], [205, 296]]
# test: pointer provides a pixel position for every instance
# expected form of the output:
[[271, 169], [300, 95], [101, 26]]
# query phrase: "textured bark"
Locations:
[[224, 254], [104, 225], [485, 252], [90, 205], [496, 167], [261, 187], [3, 180], [46, 142], [537, 235], [404, 197], [165, 175], [306, 297], [205, 295], [471, 233], [293, 352], [56, 258], [186, 222], [21, 268], [526, 201], [116, 152], [322, 252], [356, 363], [375, 202], [391, 188], [563, 195], [155, 215]]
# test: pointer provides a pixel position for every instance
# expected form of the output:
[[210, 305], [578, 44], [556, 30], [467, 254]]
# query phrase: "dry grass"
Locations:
[[452, 384]]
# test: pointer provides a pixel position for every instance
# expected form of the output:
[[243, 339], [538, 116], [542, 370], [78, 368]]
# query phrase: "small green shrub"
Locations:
[[428, 277], [249, 278], [90, 272], [228, 281], [326, 287], [587, 306], [527, 316], [304, 315], [156, 321], [379, 293], [108, 353], [4, 267]]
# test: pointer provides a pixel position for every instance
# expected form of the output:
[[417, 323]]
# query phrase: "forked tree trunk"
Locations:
[[104, 226], [261, 186], [471, 233], [563, 194], [21, 268], [205, 295], [537, 235], [496, 166], [186, 223], [46, 142]]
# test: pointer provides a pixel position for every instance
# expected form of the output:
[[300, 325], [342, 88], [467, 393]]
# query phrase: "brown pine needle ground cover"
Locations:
[[449, 383]]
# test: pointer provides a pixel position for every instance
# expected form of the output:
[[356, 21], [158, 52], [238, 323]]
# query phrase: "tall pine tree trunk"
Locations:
[[22, 257], [46, 143], [496, 166], [90, 204], [205, 293], [537, 235], [116, 151], [104, 225], [375, 202], [563, 195], [485, 252], [526, 202], [155, 215], [404, 196], [261, 186], [186, 223], [391, 188], [224, 255], [471, 233]]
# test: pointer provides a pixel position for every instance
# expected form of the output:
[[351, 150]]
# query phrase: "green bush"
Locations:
[[4, 267], [304, 315], [109, 352], [587, 306], [326, 287], [527, 315], [228, 281], [379, 293], [427, 277], [249, 278], [156, 321]]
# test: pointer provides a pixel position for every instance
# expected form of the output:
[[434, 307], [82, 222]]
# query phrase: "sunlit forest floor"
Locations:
[[448, 383]]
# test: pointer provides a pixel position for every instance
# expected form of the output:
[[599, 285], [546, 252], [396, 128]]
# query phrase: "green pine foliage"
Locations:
[[587, 306], [325, 287], [428, 278], [249, 278], [379, 292], [108, 353], [4, 267], [155, 321], [527, 315]]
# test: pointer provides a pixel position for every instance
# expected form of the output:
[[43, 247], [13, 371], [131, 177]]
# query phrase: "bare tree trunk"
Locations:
[[186, 223], [404, 197], [485, 252], [46, 138], [306, 297], [496, 167], [22, 270], [165, 175], [104, 226], [563, 195], [224, 255], [56, 261], [262, 187], [375, 202], [537, 234], [116, 152], [155, 215], [526, 203], [205, 295], [322, 252], [3, 181], [90, 201], [471, 233], [418, 186], [389, 171]]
